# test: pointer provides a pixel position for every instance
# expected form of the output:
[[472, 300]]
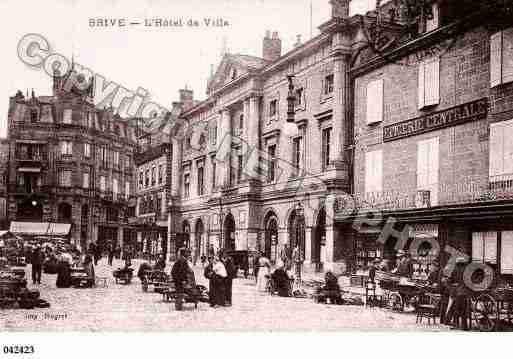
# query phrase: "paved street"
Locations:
[[120, 307]]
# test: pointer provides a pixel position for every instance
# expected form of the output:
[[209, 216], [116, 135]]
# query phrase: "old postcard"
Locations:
[[256, 166]]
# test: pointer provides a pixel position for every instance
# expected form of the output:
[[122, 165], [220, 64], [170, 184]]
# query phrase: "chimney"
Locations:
[[186, 98], [177, 107], [340, 8], [271, 46], [298, 41]]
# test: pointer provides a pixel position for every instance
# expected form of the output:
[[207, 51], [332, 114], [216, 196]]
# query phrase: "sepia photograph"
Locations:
[[255, 166]]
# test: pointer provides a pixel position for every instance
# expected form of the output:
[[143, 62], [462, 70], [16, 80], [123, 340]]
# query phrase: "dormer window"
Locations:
[[33, 116]]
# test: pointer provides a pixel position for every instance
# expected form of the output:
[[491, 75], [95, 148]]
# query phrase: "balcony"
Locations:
[[469, 190], [25, 157]]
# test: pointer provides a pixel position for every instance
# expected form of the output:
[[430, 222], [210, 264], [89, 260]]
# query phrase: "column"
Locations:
[[120, 240], [253, 131], [340, 49], [224, 146], [308, 245], [176, 168]]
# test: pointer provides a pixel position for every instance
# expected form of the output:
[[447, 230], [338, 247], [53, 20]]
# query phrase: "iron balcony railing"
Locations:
[[474, 189]]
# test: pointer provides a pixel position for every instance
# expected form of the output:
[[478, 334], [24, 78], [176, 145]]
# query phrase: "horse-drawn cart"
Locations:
[[399, 292], [493, 309]]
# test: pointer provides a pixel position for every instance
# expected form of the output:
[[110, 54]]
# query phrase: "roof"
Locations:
[[248, 61]]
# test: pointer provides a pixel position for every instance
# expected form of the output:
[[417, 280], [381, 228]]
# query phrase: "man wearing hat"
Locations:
[[404, 265], [36, 260], [458, 307]]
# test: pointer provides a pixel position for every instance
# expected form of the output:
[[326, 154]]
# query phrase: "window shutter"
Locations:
[[496, 150], [432, 82], [496, 59], [490, 247], [374, 171], [375, 101], [507, 55], [422, 164], [477, 247], [433, 168], [507, 135], [507, 252], [422, 100], [368, 172], [63, 148]]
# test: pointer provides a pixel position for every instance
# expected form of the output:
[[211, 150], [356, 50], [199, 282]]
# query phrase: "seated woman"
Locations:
[[281, 280], [331, 288]]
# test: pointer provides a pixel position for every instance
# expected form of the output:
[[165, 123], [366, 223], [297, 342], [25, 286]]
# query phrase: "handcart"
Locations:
[[492, 310], [398, 292]]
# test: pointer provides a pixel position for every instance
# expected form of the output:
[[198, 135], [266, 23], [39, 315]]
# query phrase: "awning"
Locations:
[[30, 228], [29, 169], [59, 229], [40, 228]]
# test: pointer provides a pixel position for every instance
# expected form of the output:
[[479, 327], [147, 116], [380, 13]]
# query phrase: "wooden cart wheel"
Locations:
[[485, 313], [395, 301]]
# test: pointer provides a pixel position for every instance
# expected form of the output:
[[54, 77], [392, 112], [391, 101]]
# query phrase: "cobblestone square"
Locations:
[[127, 308]]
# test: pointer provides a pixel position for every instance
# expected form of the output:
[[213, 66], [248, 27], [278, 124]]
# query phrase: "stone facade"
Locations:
[[4, 162], [269, 185], [465, 189], [70, 163]]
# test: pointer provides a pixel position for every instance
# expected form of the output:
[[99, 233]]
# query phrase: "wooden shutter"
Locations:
[[432, 82], [477, 247], [496, 150], [378, 170], [433, 169], [421, 78], [490, 247], [374, 171], [507, 158], [507, 55], [375, 101], [507, 252], [422, 164], [496, 59], [368, 172]]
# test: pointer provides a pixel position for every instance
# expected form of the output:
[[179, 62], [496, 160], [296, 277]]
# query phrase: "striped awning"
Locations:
[[59, 229], [29, 228]]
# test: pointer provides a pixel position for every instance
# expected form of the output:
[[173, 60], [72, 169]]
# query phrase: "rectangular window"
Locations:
[[201, 188], [127, 190], [115, 188], [432, 23], [299, 96], [241, 124], [66, 116], [507, 252], [103, 184], [501, 57], [186, 185], [297, 156], [116, 158], [375, 101], [90, 119], [103, 157], [141, 179], [161, 174], [328, 84], [374, 171], [147, 179], [65, 180], [326, 139], [127, 162], [240, 168], [87, 150], [428, 167], [153, 176], [429, 82], [214, 172], [273, 108], [85, 180], [501, 151], [66, 148], [271, 174], [484, 247]]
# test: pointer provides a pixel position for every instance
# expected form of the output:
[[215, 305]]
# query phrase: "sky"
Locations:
[[160, 60]]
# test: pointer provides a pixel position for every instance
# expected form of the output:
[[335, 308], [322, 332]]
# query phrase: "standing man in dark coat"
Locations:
[[179, 273], [231, 272], [110, 249], [37, 259], [209, 274]]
